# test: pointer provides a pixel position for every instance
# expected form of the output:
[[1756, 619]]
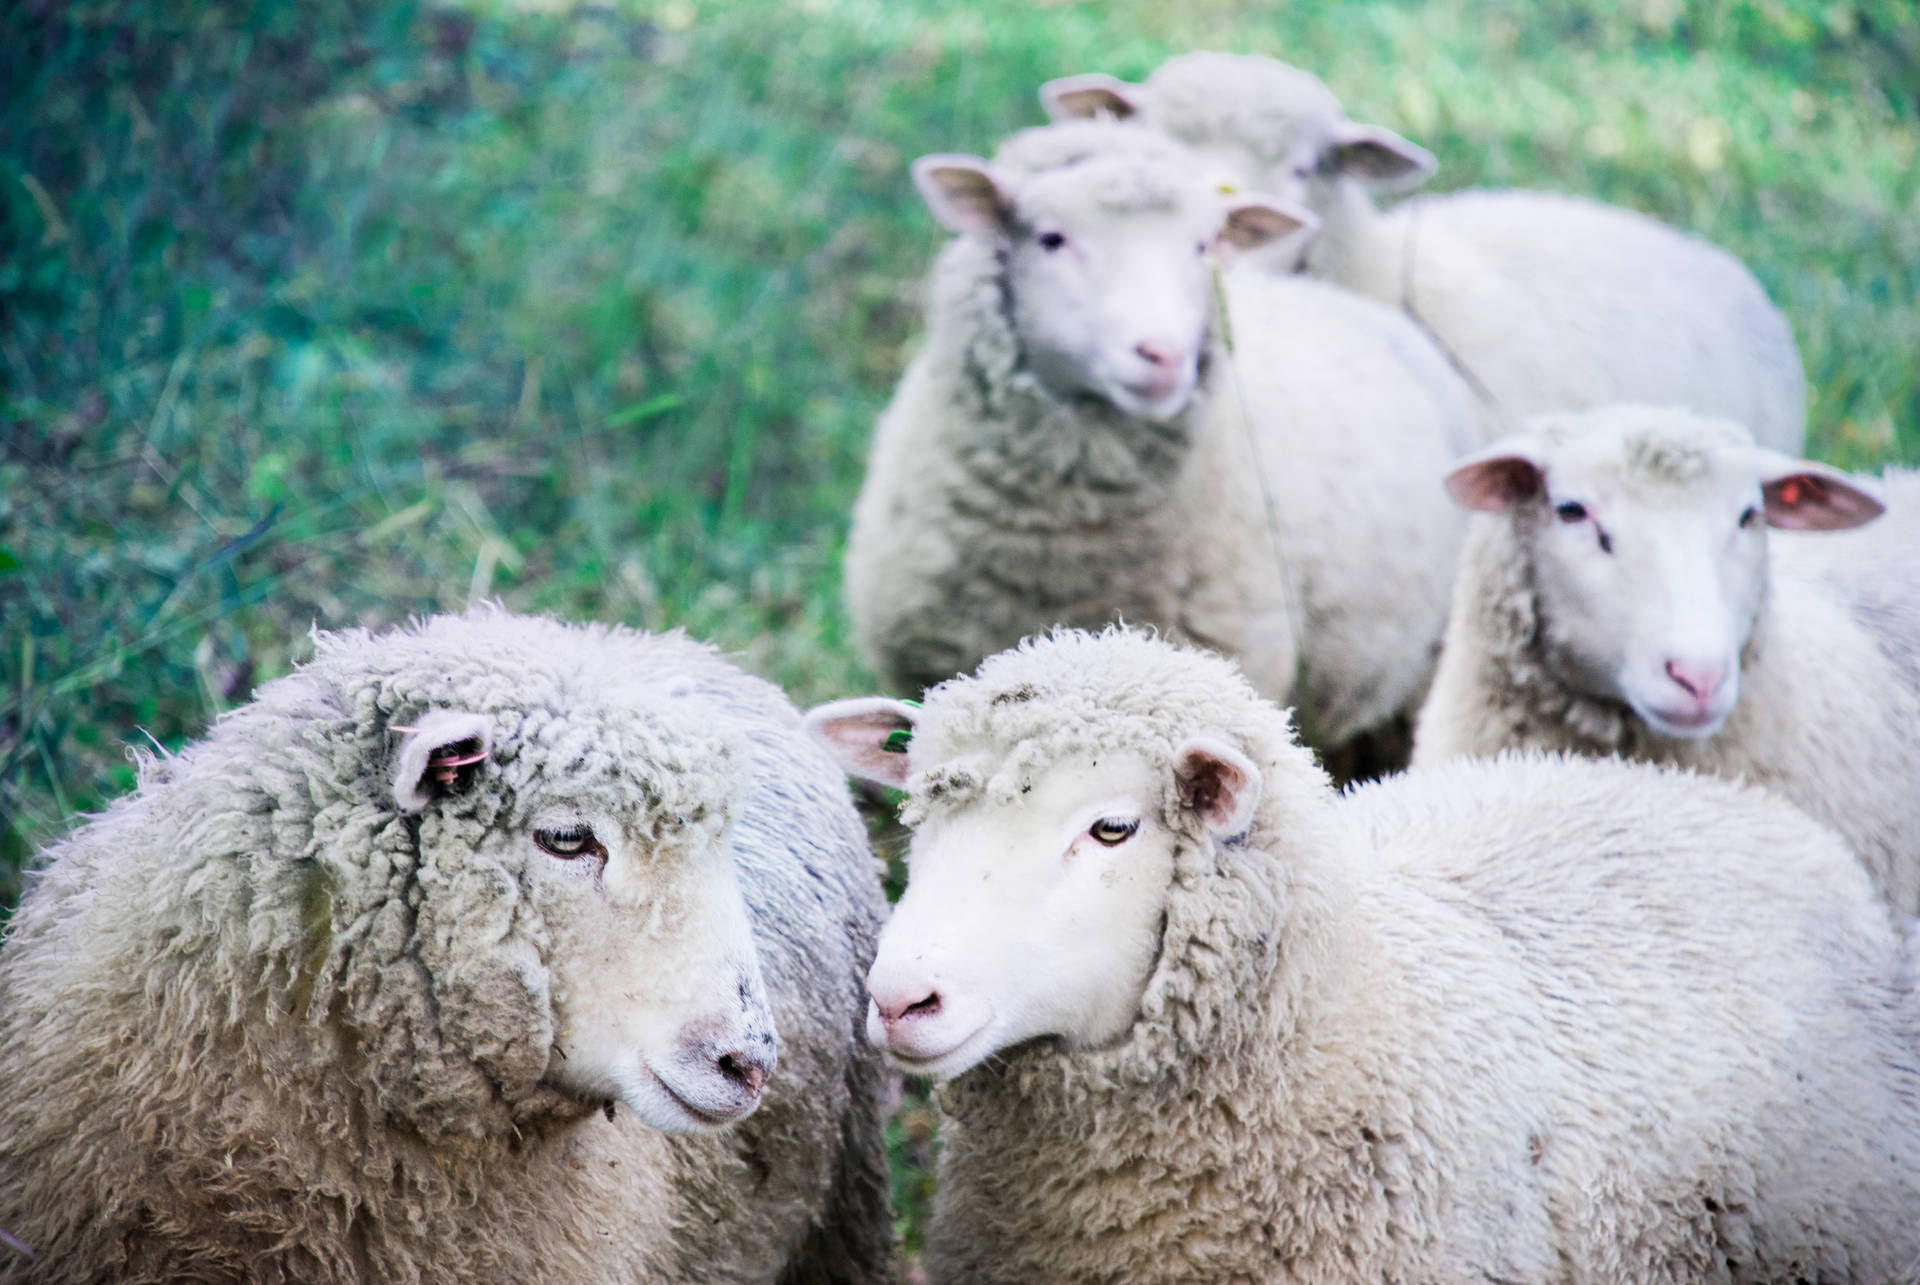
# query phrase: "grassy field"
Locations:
[[337, 312]]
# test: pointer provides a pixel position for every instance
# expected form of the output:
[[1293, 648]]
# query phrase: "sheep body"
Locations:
[[1375, 1045], [258, 1025], [1551, 302], [1828, 712], [1641, 312], [995, 505]]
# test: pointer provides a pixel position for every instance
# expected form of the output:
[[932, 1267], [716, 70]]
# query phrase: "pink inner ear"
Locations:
[[1494, 485], [1086, 96], [1812, 502], [1219, 786], [868, 737]]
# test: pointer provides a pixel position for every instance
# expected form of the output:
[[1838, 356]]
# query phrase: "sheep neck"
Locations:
[[1357, 247], [1045, 460]]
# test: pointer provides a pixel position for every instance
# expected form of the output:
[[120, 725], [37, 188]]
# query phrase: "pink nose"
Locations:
[[896, 1010], [1700, 681], [1163, 356]]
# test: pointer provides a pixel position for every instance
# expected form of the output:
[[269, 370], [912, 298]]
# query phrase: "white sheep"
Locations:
[[446, 959], [1536, 1019], [1550, 302], [1073, 444], [1624, 596]]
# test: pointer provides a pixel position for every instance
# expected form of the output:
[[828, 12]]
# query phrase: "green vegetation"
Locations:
[[337, 312]]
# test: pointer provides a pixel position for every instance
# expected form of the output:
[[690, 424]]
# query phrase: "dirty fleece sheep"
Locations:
[[1073, 444], [1203, 1019], [1624, 595], [1551, 302], [443, 960]]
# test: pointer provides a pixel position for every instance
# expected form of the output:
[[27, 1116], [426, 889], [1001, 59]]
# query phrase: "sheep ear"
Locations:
[[1379, 158], [440, 755], [1218, 784], [868, 736], [1090, 95], [1495, 479], [1254, 221], [964, 193], [1802, 495]]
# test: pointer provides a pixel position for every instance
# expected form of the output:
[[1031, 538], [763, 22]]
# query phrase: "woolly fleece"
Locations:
[[1829, 708], [257, 1025], [1536, 1019], [994, 507]]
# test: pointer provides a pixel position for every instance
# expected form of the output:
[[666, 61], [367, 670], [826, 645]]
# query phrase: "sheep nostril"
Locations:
[[927, 1007], [743, 1072]]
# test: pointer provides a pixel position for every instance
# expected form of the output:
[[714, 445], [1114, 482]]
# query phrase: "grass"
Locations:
[[339, 312]]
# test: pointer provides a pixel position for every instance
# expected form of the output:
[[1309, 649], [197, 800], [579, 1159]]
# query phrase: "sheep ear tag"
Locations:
[[1801, 495], [869, 737], [440, 755], [1218, 783]]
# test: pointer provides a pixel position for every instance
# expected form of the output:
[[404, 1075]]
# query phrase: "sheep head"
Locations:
[[550, 920], [1107, 240], [1053, 837], [1644, 535], [1255, 123]]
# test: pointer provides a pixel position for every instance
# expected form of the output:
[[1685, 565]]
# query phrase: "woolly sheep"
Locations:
[[1072, 445], [443, 960], [1550, 302], [1539, 1019], [1625, 597]]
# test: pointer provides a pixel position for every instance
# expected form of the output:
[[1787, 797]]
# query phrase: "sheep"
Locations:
[[1199, 1018], [454, 956], [1622, 595], [1073, 443], [1549, 302]]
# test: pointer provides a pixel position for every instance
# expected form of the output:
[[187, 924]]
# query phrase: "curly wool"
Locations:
[[259, 1025], [1376, 1048], [1829, 710], [994, 506]]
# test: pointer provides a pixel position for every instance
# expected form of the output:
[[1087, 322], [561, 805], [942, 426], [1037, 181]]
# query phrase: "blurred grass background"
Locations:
[[333, 312]]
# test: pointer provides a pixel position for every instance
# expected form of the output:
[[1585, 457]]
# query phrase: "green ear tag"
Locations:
[[896, 742]]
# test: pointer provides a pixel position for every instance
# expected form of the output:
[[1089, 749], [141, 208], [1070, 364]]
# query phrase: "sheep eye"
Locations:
[[1051, 241], [1747, 517], [1112, 831], [1571, 511], [569, 841]]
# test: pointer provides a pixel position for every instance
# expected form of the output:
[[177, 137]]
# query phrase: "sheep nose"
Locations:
[[1161, 355], [746, 1068], [1699, 681], [912, 1006]]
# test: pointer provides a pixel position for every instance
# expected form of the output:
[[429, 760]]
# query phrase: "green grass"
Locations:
[[337, 312]]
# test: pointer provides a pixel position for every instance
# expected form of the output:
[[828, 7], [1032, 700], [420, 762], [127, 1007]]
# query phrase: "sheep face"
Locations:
[[1030, 918], [1108, 266], [1645, 541], [584, 868], [1037, 892], [658, 997]]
